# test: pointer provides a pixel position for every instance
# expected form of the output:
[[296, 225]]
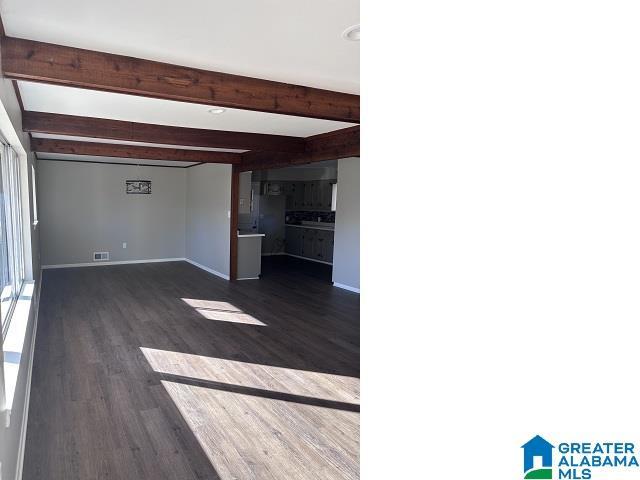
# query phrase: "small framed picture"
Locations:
[[138, 187]]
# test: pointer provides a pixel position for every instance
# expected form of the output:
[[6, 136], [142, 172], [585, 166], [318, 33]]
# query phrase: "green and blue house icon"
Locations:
[[538, 447]]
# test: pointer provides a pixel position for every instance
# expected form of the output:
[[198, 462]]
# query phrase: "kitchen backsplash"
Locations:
[[299, 216]]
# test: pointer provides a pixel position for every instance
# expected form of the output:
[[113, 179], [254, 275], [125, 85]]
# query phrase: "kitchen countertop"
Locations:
[[313, 227]]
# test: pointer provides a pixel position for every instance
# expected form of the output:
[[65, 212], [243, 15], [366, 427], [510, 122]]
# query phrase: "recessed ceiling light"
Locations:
[[352, 33], [216, 110]]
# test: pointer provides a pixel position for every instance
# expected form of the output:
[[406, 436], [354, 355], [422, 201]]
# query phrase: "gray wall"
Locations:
[[346, 250], [296, 173], [11, 130], [208, 206], [84, 209]]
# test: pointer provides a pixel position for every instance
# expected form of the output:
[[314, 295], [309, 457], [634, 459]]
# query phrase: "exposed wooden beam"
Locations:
[[75, 67], [233, 224], [71, 147], [54, 123], [328, 146]]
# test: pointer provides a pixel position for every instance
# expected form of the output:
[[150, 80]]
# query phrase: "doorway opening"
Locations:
[[294, 208]]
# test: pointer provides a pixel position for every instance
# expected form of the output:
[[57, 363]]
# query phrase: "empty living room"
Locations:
[[147, 331], [201, 281]]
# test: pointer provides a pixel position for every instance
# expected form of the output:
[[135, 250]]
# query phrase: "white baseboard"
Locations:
[[307, 258], [206, 269], [122, 262], [249, 278], [346, 287], [27, 395]]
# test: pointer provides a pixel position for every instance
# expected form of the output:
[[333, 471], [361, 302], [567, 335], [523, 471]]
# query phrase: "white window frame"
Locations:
[[11, 238]]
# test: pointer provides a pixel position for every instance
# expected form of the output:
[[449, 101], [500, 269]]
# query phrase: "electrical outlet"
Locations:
[[124, 244]]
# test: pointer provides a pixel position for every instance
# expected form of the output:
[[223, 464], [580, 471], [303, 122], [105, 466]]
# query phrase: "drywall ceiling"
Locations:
[[40, 97], [291, 41], [284, 40]]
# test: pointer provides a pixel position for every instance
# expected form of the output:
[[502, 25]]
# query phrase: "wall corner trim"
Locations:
[[346, 287], [207, 269]]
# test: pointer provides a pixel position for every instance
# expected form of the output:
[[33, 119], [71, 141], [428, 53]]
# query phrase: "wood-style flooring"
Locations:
[[163, 371]]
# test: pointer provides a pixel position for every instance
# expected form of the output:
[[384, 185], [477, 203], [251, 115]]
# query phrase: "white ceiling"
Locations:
[[42, 97], [285, 40], [293, 41], [91, 158]]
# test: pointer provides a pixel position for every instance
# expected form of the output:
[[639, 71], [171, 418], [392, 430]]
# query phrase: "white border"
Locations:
[[27, 395], [206, 269], [346, 287], [121, 262]]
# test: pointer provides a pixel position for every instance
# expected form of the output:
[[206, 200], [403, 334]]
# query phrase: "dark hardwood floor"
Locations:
[[163, 371], [284, 264]]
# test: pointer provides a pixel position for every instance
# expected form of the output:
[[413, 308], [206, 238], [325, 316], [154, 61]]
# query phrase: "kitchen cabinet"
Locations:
[[310, 196], [324, 199], [290, 192], [298, 196], [308, 242], [311, 243], [323, 237], [328, 248]]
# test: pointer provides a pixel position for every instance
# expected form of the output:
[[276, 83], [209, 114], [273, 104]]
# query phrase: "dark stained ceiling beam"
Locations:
[[74, 67], [57, 124], [72, 147], [334, 145]]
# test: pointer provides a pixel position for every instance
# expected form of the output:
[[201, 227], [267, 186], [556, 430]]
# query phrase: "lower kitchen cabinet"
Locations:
[[323, 239], [311, 243], [308, 242]]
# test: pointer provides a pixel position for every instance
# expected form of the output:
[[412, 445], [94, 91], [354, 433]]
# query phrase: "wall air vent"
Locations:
[[100, 256]]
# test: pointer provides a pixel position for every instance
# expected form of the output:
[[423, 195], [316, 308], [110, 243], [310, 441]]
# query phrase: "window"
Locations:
[[11, 246]]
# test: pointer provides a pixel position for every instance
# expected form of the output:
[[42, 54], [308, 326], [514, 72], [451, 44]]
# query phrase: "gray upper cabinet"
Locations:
[[325, 195], [314, 195], [298, 196], [308, 195], [290, 192]]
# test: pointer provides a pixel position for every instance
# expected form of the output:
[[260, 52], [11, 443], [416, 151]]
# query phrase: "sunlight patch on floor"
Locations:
[[252, 437], [222, 311], [278, 379]]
